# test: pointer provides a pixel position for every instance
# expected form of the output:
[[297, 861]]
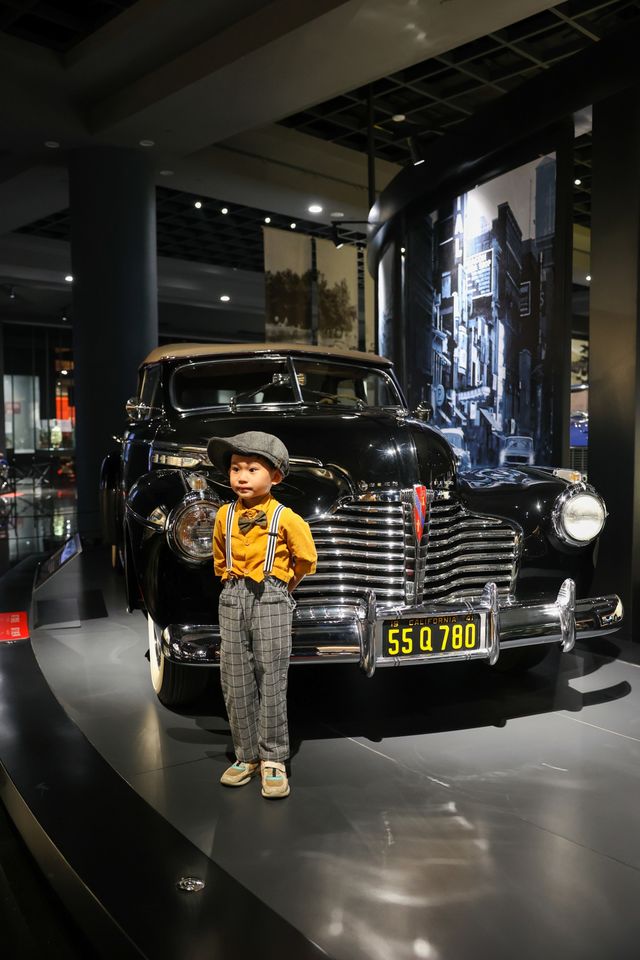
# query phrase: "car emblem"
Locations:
[[421, 500]]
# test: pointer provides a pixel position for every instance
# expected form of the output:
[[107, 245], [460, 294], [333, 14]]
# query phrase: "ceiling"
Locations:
[[237, 118], [57, 24]]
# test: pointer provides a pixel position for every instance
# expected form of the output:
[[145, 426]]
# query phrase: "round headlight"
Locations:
[[580, 516], [191, 529]]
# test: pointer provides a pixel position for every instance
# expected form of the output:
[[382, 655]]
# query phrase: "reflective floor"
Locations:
[[34, 518], [443, 813]]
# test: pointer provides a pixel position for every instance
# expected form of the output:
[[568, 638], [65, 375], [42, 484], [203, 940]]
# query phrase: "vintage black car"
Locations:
[[417, 565]]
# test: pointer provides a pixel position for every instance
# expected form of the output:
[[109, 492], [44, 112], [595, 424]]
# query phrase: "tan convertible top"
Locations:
[[176, 351]]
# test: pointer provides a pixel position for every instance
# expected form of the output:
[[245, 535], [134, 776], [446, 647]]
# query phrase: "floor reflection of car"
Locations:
[[455, 436], [517, 451]]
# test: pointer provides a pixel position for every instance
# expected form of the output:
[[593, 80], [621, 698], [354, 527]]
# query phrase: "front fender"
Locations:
[[171, 589], [111, 498]]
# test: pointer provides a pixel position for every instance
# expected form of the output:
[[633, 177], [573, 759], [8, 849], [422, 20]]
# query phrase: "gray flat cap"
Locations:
[[254, 442]]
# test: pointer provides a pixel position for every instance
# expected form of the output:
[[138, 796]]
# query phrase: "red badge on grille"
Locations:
[[420, 507]]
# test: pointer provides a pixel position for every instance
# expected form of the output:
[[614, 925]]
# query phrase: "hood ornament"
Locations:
[[422, 499]]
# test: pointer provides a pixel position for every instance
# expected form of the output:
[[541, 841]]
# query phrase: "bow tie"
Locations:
[[259, 519]]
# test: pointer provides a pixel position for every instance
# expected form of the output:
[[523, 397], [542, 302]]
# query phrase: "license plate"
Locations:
[[432, 636]]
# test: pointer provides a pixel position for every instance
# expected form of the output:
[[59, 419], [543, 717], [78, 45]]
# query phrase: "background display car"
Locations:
[[416, 564], [455, 437], [517, 451]]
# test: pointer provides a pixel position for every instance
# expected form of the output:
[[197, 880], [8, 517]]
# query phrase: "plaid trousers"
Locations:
[[255, 645]]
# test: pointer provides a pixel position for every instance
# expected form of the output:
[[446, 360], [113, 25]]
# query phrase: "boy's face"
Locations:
[[251, 477]]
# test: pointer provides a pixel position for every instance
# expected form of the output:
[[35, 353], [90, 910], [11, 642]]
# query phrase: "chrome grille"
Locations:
[[465, 551], [371, 545], [360, 547]]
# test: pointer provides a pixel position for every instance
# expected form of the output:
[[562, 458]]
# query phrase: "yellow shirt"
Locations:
[[294, 547]]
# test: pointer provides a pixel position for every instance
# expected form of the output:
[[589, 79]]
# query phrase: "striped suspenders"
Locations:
[[272, 537]]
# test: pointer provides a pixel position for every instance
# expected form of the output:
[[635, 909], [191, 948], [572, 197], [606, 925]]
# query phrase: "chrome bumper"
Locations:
[[353, 633]]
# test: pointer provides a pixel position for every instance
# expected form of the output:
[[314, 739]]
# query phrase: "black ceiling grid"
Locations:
[[436, 94], [57, 24], [205, 234]]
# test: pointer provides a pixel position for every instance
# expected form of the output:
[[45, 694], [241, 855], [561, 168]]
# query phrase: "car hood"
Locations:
[[344, 451]]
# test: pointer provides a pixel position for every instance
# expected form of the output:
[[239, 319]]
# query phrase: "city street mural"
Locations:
[[492, 301]]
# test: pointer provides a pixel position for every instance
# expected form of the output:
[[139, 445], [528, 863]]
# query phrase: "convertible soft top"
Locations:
[[176, 351]]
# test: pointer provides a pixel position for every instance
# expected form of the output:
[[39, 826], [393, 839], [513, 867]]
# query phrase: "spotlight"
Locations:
[[293, 225], [588, 278], [415, 150], [198, 204], [335, 236], [147, 143], [267, 219], [69, 278], [225, 210], [398, 117], [225, 298], [577, 181], [52, 144], [315, 208], [11, 293]]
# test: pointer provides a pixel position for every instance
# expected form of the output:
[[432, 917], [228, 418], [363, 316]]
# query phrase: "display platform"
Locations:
[[442, 812]]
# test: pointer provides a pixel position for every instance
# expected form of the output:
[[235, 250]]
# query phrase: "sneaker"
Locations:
[[274, 780], [239, 773]]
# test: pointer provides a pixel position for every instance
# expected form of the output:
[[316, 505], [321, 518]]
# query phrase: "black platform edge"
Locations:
[[112, 859]]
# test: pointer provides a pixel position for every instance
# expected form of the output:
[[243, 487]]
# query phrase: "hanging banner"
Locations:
[[337, 271], [369, 308], [287, 270]]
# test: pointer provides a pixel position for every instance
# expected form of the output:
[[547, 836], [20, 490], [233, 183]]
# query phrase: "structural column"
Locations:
[[614, 368], [115, 308]]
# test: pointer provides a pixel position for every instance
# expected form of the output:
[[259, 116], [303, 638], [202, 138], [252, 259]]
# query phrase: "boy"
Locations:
[[261, 550]]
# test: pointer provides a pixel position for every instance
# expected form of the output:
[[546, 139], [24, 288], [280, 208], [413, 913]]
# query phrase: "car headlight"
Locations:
[[190, 528], [579, 515]]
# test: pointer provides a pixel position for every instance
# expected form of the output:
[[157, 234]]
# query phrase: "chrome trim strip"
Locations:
[[352, 632]]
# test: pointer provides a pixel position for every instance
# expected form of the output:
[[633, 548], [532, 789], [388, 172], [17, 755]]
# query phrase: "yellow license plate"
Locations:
[[431, 636]]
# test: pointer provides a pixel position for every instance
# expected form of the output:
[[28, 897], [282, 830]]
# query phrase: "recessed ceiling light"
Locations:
[[267, 219], [293, 226], [225, 210], [69, 278], [315, 208], [588, 277], [225, 298], [52, 144], [403, 249], [398, 117], [198, 204], [577, 181], [166, 173], [147, 143], [336, 214], [64, 372]]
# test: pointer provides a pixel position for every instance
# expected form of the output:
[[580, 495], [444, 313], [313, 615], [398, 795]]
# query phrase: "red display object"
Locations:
[[14, 626]]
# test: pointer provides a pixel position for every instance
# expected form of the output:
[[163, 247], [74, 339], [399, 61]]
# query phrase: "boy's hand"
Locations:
[[293, 583]]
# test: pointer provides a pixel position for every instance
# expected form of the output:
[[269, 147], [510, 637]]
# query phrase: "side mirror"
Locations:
[[136, 410], [424, 412]]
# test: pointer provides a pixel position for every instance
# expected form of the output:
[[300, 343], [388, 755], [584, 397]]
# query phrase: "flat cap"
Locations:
[[220, 449]]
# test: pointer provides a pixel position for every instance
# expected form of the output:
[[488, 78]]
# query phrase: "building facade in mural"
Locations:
[[493, 297]]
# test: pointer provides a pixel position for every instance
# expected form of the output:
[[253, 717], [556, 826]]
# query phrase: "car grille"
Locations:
[[370, 545]]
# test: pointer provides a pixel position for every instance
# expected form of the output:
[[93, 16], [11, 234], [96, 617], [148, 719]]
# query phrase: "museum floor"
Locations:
[[442, 813]]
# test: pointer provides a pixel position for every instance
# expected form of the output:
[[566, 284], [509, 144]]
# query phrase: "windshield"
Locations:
[[267, 380], [519, 443], [330, 383], [216, 383]]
